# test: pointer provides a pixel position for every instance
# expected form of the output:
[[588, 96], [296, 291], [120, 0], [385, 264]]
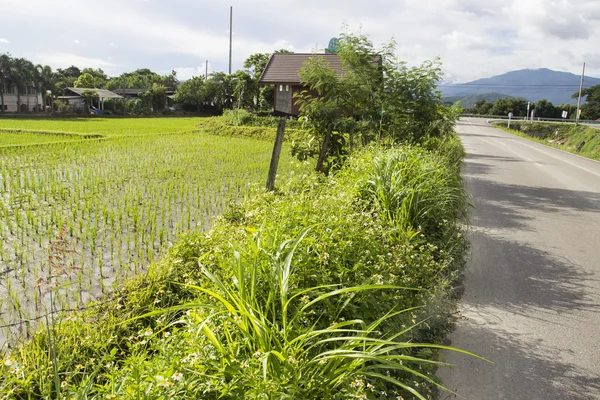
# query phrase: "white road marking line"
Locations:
[[524, 143]]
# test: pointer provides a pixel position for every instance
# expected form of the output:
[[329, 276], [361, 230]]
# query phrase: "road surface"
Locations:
[[532, 284]]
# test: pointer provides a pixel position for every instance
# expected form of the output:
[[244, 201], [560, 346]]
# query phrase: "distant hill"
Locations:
[[531, 84], [470, 100]]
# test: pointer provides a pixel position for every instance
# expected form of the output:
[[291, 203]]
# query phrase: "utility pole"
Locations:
[[206, 74], [230, 35], [579, 99]]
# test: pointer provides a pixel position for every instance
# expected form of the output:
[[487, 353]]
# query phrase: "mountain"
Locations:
[[531, 84], [470, 100]]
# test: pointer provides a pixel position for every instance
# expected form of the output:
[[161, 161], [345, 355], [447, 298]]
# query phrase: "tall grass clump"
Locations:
[[416, 190]]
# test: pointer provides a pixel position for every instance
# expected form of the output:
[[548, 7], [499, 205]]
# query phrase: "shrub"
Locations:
[[540, 131], [218, 126], [245, 118]]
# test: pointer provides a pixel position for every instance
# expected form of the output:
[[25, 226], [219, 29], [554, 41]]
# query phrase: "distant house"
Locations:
[[134, 94], [75, 100], [28, 101], [282, 71]]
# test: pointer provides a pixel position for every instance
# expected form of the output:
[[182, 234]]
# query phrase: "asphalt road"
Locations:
[[532, 286]]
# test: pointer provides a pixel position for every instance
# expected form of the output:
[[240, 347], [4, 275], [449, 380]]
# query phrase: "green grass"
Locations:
[[123, 201], [568, 139], [24, 138], [104, 126]]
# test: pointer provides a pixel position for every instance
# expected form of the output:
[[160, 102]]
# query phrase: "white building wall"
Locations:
[[10, 101]]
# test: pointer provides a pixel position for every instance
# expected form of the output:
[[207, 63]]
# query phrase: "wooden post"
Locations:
[[276, 154], [323, 153]]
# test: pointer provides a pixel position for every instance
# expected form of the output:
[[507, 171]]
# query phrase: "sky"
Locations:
[[474, 38]]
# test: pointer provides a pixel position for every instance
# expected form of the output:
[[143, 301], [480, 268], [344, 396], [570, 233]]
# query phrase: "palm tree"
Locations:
[[5, 67], [46, 80], [19, 77], [29, 72], [36, 80]]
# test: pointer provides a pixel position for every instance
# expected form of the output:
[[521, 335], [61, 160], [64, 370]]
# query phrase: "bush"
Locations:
[[245, 118], [540, 131], [218, 126]]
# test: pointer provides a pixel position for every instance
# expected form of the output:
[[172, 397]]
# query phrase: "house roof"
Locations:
[[137, 92], [130, 92], [102, 93], [285, 68]]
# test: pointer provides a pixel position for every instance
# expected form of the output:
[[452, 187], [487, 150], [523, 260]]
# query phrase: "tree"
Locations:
[[323, 112], [36, 79], [571, 109], [546, 109], [85, 81], [158, 97], [219, 89], [192, 93], [65, 78], [591, 109], [98, 76], [245, 89], [170, 81], [20, 74], [517, 106], [255, 65], [482, 107], [5, 72], [142, 79], [88, 97], [373, 97], [47, 82]]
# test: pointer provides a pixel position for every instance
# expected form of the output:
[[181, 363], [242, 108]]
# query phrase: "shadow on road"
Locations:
[[537, 279], [525, 367], [529, 198], [528, 375], [474, 156]]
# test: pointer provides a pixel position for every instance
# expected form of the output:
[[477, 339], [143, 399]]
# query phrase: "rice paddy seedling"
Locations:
[[122, 199]]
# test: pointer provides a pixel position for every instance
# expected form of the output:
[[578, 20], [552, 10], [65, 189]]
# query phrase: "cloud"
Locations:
[[474, 38], [556, 19], [4, 40], [64, 60], [462, 40], [76, 41], [185, 73]]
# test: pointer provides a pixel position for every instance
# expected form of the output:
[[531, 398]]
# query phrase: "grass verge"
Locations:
[[566, 137]]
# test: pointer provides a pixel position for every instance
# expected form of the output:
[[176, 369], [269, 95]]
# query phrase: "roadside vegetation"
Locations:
[[333, 286], [338, 284], [567, 137]]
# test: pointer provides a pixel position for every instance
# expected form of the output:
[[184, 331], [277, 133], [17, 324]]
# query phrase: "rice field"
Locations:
[[121, 199], [23, 138], [105, 126]]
